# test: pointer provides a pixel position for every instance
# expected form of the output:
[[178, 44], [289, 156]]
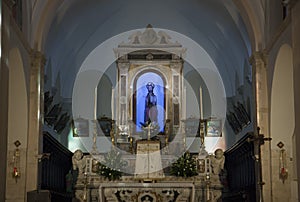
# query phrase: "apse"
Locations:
[[141, 93]]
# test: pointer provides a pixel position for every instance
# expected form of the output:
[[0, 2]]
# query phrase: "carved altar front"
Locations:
[[92, 187], [145, 192]]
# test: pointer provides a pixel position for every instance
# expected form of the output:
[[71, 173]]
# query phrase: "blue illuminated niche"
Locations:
[[141, 93]]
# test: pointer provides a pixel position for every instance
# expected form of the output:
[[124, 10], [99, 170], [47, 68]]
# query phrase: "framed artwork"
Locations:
[[213, 128], [192, 127], [80, 127]]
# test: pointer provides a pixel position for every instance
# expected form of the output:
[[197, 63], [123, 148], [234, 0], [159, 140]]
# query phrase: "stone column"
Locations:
[[4, 82], [176, 68], [36, 103], [261, 120], [295, 8], [4, 75], [122, 105]]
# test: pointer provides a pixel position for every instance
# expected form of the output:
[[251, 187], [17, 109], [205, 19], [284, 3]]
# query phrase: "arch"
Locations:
[[104, 91], [193, 81], [253, 16], [151, 68], [43, 14], [17, 113], [282, 113], [282, 121], [138, 107], [18, 103]]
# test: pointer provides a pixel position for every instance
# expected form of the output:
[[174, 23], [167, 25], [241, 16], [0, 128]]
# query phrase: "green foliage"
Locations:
[[185, 166], [111, 167]]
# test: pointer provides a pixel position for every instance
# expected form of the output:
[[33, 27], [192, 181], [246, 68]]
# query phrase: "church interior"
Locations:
[[161, 101]]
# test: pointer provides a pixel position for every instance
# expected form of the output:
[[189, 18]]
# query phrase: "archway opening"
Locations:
[[140, 95], [282, 123], [17, 118]]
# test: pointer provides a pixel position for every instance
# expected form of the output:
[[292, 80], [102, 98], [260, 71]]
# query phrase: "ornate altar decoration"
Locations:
[[155, 53], [142, 131]]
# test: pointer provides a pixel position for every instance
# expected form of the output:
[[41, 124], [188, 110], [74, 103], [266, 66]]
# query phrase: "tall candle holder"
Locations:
[[94, 148], [85, 191]]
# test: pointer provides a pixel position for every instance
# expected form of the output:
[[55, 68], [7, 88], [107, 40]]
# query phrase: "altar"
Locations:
[[92, 187], [147, 134]]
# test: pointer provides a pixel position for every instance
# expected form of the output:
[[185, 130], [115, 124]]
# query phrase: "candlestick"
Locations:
[[94, 151]]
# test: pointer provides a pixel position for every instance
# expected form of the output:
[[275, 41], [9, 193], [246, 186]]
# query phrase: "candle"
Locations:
[[167, 102], [95, 104], [201, 103], [123, 118], [184, 103], [112, 104]]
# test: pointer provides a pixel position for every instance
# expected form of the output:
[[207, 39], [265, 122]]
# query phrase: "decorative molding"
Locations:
[[142, 192], [150, 39]]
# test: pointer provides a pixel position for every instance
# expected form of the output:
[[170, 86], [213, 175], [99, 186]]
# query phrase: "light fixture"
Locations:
[[283, 172], [16, 161]]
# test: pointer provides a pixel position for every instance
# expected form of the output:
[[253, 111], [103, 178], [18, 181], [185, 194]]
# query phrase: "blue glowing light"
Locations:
[[141, 93]]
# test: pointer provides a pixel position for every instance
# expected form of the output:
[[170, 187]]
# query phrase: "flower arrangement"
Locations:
[[111, 167], [185, 166]]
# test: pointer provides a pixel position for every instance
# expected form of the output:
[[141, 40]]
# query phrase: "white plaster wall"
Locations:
[[17, 125], [282, 121], [296, 65]]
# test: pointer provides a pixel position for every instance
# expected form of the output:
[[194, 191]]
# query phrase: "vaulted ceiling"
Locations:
[[79, 26]]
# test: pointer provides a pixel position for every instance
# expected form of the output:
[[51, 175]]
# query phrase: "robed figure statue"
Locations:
[[150, 113]]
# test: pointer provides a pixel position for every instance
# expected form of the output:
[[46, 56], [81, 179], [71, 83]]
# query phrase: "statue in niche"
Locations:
[[150, 113]]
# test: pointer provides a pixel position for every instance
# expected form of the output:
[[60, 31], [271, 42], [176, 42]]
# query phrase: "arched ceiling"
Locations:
[[79, 26]]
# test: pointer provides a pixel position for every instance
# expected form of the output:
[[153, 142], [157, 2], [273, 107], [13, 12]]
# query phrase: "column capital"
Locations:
[[176, 65], [258, 57], [123, 67], [37, 58]]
